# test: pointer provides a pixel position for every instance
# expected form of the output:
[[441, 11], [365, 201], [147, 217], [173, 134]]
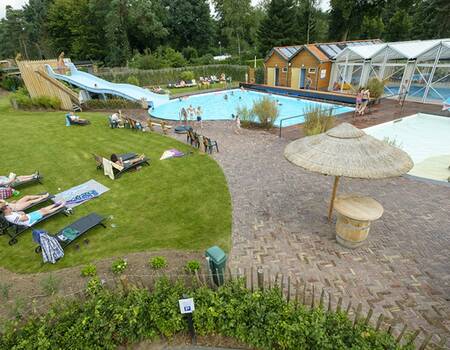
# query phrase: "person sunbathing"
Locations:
[[24, 219], [24, 202], [13, 178], [125, 163], [76, 119]]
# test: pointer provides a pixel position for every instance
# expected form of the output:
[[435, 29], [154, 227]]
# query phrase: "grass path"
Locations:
[[179, 204]]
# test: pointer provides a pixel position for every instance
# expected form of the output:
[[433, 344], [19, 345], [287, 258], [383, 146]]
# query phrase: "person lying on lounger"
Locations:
[[76, 119], [12, 178], [23, 219], [24, 202], [117, 160]]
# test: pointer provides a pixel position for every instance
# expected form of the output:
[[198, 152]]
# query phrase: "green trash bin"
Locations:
[[217, 262]]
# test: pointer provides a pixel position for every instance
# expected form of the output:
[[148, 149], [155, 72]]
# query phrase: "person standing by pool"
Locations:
[[308, 82], [183, 115], [365, 101], [191, 113], [199, 113]]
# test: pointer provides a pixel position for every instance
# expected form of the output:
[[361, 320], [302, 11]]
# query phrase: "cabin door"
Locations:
[[302, 78], [271, 76], [295, 78], [277, 76]]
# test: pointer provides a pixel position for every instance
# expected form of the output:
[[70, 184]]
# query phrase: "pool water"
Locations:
[[216, 107], [425, 137]]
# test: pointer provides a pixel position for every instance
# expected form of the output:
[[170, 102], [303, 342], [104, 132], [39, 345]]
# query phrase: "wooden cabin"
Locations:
[[276, 65], [290, 66]]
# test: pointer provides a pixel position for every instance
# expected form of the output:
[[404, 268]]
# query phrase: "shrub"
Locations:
[[318, 120], [246, 116], [376, 88], [11, 83], [266, 110], [114, 103], [50, 284], [89, 270], [260, 319], [158, 262], [192, 266], [187, 75], [21, 99], [119, 266], [94, 286], [189, 53], [133, 80]]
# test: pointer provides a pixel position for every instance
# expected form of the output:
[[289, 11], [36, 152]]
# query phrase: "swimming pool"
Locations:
[[425, 137], [216, 107]]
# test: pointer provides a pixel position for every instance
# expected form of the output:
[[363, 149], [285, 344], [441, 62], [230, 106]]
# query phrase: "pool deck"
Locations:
[[386, 111], [279, 224]]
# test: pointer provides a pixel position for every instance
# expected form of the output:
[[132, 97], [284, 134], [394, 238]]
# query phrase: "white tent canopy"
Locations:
[[408, 50]]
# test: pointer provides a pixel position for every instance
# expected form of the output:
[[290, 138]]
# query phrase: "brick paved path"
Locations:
[[279, 223]]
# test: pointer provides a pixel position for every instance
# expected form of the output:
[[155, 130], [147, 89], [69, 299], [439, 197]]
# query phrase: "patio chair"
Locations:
[[209, 145], [75, 230], [15, 230]]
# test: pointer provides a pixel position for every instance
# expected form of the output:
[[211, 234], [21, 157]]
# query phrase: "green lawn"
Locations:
[[179, 204], [177, 91]]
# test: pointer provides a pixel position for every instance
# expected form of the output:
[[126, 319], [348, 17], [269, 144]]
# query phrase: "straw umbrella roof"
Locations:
[[347, 151]]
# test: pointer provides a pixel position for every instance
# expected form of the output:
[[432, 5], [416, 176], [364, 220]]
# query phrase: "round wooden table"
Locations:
[[355, 213]]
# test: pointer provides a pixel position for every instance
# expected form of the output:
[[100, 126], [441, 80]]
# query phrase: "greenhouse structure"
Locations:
[[421, 67]]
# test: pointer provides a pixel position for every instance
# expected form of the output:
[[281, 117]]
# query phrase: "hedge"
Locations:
[[262, 319], [113, 103], [22, 100], [171, 75]]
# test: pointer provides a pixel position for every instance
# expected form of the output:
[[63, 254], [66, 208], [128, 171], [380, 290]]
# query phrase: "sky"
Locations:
[[324, 4]]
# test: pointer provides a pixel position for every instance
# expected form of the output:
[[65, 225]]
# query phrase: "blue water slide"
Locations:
[[96, 85]]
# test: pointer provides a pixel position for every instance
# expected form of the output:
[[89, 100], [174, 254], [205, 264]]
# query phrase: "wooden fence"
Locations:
[[39, 83]]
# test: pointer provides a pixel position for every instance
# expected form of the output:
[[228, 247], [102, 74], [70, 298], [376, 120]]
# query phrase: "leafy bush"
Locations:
[[133, 80], [50, 284], [89, 270], [190, 53], [187, 75], [376, 88], [21, 99], [246, 116], [318, 120], [11, 83], [259, 75], [119, 266], [169, 75], [262, 319], [158, 262], [266, 110], [94, 286], [114, 103], [192, 266]]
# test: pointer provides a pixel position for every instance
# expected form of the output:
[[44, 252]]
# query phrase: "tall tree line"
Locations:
[[113, 31]]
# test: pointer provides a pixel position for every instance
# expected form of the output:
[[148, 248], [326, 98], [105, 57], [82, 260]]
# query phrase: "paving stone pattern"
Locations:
[[279, 223]]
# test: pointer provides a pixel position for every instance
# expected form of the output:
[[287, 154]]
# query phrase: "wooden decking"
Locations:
[[386, 111]]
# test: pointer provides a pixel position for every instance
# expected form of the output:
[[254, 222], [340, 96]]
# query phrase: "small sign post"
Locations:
[[187, 307]]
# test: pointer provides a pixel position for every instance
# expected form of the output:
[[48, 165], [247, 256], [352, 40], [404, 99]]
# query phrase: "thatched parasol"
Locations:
[[347, 151]]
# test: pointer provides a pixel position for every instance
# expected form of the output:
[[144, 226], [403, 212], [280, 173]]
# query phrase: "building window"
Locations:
[[285, 69], [312, 70]]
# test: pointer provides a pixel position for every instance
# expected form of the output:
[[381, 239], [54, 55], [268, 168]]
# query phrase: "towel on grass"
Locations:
[[80, 194], [171, 153]]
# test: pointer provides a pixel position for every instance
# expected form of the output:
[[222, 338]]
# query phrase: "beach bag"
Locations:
[[6, 192]]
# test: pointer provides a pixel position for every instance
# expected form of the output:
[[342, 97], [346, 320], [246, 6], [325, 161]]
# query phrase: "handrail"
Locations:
[[333, 108]]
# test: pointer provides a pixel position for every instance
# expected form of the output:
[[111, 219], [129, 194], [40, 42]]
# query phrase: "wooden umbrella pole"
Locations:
[[333, 195]]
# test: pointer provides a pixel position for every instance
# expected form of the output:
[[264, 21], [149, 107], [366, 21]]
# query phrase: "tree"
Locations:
[[433, 16], [14, 34], [312, 22], [189, 23], [279, 27], [35, 12], [373, 27], [399, 26], [238, 22], [116, 33], [145, 27]]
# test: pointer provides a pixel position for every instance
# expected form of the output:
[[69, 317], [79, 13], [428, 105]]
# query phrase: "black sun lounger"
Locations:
[[4, 224], [15, 230], [37, 179], [119, 173], [82, 226]]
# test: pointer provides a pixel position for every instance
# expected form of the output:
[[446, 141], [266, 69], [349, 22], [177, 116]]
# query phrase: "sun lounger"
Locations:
[[5, 224], [119, 170], [75, 230], [37, 179], [70, 121], [15, 230]]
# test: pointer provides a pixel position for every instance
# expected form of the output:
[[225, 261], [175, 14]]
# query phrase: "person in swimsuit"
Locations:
[[24, 219], [13, 178], [24, 202]]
